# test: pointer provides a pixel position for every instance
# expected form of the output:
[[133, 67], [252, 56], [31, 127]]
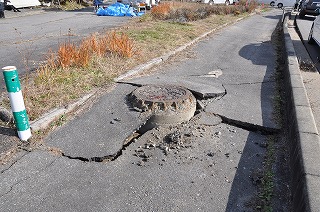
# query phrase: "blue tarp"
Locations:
[[118, 9]]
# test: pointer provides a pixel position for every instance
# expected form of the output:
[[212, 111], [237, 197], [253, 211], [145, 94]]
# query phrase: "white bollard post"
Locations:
[[11, 79]]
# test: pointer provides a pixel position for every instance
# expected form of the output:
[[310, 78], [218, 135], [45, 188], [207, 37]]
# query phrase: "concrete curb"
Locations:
[[45, 120], [302, 134]]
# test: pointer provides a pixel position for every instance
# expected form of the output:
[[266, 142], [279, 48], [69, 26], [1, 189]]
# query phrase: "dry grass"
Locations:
[[77, 68], [186, 12], [49, 88], [69, 54], [162, 10], [70, 4]]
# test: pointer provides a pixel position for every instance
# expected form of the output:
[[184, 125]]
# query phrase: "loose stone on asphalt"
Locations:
[[208, 119], [164, 170]]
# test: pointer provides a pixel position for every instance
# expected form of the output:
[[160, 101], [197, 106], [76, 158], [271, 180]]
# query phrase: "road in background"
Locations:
[[26, 39]]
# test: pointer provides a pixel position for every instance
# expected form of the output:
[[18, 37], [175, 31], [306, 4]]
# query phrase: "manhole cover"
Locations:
[[168, 104]]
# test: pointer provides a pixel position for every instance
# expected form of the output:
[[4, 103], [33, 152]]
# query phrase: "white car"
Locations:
[[282, 3], [24, 3], [211, 2], [314, 35]]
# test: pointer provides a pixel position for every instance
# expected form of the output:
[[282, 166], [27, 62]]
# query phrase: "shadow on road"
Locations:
[[250, 171], [7, 143], [8, 131], [309, 18], [271, 17]]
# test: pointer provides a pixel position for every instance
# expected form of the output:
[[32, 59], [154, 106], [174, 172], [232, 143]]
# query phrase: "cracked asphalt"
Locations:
[[206, 164]]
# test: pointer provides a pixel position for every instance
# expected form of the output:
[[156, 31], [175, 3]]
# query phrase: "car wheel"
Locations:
[[310, 38], [211, 2], [301, 14], [227, 2], [280, 5], [272, 4], [148, 7]]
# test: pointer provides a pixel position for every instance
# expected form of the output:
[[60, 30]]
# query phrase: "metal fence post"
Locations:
[[11, 79]]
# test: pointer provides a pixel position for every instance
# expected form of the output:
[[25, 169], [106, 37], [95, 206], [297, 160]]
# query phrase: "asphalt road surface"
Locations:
[[200, 165], [26, 40]]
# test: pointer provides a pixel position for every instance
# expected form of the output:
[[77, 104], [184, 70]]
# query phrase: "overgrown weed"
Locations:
[[185, 12], [68, 4]]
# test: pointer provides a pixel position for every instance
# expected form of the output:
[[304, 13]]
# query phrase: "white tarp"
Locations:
[[24, 3]]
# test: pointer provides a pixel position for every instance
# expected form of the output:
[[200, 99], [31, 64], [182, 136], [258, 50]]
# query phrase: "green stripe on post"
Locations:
[[21, 119], [11, 79]]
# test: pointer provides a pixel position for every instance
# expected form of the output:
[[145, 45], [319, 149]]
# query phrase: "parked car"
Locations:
[[282, 3], [23, 3], [266, 2], [314, 35], [211, 2], [309, 7]]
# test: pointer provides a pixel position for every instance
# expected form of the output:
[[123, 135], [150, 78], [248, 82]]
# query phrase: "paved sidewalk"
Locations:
[[211, 163], [310, 74]]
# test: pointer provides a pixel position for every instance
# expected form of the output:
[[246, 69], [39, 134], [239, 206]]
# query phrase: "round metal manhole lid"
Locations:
[[168, 103], [156, 93]]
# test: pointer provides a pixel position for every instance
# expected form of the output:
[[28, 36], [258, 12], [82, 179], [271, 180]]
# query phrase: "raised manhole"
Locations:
[[167, 104]]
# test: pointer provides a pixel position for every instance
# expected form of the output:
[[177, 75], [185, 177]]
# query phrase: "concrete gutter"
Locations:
[[302, 135]]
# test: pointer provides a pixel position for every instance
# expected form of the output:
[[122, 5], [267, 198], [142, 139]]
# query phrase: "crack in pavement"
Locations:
[[12, 164], [130, 139], [129, 83], [252, 83], [28, 177], [310, 133], [249, 126], [314, 175], [144, 128], [225, 93]]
